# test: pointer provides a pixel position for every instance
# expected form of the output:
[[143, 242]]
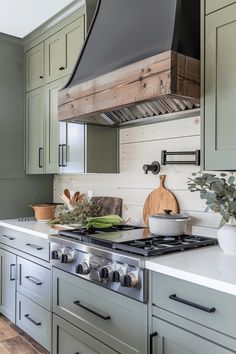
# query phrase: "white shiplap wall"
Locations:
[[140, 145]]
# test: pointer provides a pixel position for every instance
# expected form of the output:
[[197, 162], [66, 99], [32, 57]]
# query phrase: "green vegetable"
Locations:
[[103, 221]]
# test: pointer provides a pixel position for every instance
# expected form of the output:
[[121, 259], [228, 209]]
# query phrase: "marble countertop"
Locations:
[[209, 266], [35, 228]]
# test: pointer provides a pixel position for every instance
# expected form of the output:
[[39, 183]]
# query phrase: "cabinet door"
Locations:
[[220, 92], [35, 132], [169, 339], [70, 340], [55, 132], [213, 5], [73, 39], [34, 66], [8, 284], [62, 50], [73, 153], [54, 57]]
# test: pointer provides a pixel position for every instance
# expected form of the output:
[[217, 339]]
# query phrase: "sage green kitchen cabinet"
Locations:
[[70, 340], [213, 5], [187, 318], [35, 131], [8, 284], [55, 132], [62, 50], [34, 67], [220, 78], [170, 339]]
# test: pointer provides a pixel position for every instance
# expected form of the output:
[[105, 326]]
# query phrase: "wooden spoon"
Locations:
[[67, 193]]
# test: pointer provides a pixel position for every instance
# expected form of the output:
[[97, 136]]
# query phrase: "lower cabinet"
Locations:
[[8, 284], [187, 318], [34, 320], [26, 283], [68, 339], [170, 339], [113, 319]]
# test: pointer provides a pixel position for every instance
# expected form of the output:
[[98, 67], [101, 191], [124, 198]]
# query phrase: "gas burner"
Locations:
[[156, 246]]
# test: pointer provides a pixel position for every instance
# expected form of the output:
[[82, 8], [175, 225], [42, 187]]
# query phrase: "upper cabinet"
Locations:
[[62, 50], [34, 67], [52, 146], [213, 5], [219, 106], [35, 132]]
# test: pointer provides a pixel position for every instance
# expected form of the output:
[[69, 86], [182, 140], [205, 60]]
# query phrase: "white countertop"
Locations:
[[209, 266], [35, 228]]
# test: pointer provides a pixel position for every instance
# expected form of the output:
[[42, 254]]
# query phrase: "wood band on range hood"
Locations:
[[171, 80]]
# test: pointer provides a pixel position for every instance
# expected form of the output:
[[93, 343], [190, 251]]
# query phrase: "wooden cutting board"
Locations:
[[109, 205], [159, 200]]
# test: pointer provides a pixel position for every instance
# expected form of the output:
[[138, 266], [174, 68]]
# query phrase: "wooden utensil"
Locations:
[[67, 193], [159, 200]]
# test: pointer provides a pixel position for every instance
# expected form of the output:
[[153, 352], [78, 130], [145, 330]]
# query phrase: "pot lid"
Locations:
[[167, 215]]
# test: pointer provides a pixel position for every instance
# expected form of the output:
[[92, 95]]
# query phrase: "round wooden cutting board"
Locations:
[[159, 200]]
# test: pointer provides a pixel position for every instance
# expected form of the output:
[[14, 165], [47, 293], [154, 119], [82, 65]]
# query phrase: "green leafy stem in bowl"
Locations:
[[219, 193]]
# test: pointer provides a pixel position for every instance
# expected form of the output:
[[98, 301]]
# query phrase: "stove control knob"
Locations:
[[116, 276], [67, 257], [129, 280], [105, 272], [55, 255], [83, 268]]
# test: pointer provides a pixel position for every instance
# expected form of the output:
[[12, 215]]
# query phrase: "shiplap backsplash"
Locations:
[[138, 146]]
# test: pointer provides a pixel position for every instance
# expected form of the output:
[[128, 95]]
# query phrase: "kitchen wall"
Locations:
[[140, 145]]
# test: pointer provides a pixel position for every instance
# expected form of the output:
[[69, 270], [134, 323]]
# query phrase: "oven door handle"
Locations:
[[78, 303]]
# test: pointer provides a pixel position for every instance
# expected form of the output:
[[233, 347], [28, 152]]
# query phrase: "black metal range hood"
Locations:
[[124, 32]]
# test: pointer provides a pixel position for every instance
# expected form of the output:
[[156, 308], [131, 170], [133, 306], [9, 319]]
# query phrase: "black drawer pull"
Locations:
[[154, 334], [192, 304], [40, 152], [77, 302], [10, 238], [33, 280], [32, 320], [38, 248], [11, 272], [62, 68]]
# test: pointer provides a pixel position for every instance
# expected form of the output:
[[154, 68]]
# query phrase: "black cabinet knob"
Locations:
[[41, 76], [62, 68]]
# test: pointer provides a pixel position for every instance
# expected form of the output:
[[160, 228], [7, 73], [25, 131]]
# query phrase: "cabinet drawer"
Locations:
[[116, 320], [70, 340], [33, 245], [170, 338], [34, 281], [213, 5], [34, 320], [208, 307]]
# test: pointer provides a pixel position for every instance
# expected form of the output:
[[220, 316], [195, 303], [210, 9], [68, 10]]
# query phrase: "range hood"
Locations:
[[140, 59]]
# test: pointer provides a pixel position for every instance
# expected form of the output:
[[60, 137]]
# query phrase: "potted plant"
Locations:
[[220, 195]]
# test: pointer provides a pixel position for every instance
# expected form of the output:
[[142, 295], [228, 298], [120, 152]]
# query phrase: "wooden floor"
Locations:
[[14, 341]]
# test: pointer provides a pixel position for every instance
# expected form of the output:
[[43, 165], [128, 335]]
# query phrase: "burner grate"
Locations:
[[157, 246]]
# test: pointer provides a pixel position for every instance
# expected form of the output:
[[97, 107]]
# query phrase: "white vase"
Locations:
[[227, 236]]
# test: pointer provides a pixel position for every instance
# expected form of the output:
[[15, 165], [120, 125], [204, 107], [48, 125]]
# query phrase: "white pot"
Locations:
[[168, 224], [227, 236]]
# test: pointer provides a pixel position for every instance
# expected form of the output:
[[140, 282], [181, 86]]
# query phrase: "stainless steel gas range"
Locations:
[[114, 258]]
